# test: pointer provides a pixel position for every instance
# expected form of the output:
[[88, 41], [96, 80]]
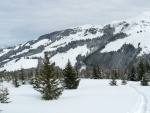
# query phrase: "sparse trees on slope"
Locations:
[[49, 85], [71, 79]]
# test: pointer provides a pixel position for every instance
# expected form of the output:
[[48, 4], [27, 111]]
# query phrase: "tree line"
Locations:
[[46, 80], [51, 81]]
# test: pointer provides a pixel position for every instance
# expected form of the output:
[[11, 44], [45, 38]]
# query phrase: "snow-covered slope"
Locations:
[[137, 31], [92, 96], [86, 44]]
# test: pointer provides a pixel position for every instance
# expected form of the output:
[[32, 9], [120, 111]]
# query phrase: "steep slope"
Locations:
[[115, 45]]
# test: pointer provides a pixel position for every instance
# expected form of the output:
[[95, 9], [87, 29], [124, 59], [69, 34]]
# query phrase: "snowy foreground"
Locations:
[[92, 96]]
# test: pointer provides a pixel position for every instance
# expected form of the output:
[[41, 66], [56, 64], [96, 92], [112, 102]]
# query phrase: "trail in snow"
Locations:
[[142, 105]]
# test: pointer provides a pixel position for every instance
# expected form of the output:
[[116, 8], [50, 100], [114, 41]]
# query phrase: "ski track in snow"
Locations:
[[142, 105]]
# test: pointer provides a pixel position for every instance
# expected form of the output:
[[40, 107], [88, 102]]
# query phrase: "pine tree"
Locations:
[[113, 81], [144, 81], [31, 77], [49, 86], [15, 81], [132, 74], [35, 79], [22, 76], [87, 73], [99, 71], [115, 74], [141, 70], [96, 72], [147, 67], [71, 79], [3, 94], [124, 81]]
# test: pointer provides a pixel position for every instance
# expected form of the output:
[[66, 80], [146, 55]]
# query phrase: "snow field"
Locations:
[[21, 63], [61, 59], [92, 96]]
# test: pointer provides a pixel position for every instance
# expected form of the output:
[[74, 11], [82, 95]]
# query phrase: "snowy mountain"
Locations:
[[115, 45]]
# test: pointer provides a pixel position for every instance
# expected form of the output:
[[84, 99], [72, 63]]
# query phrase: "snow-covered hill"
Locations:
[[92, 96], [115, 45]]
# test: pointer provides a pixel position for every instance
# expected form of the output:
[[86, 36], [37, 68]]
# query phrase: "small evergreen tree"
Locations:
[[113, 81], [49, 86], [144, 81], [96, 72], [15, 81], [22, 76], [141, 70], [132, 74], [87, 73], [115, 73], [35, 80], [71, 79], [124, 81], [147, 66], [3, 94]]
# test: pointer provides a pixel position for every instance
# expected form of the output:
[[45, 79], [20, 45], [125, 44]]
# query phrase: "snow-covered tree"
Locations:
[[4, 93], [113, 81], [115, 73], [35, 80], [97, 73], [144, 81], [141, 70], [124, 81], [22, 76], [15, 81], [48, 83], [71, 79], [132, 74], [147, 66]]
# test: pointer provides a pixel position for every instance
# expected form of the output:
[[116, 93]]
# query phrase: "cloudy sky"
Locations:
[[24, 20]]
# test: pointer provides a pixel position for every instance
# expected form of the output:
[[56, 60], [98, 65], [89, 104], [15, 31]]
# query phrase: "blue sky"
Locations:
[[24, 20]]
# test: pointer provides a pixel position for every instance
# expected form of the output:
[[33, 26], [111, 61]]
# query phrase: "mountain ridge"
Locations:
[[104, 45]]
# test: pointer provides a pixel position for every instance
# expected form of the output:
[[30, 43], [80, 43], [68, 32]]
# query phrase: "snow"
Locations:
[[22, 63], [6, 60], [61, 59], [27, 44], [39, 43], [4, 52], [75, 37], [92, 96], [17, 47], [138, 33]]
